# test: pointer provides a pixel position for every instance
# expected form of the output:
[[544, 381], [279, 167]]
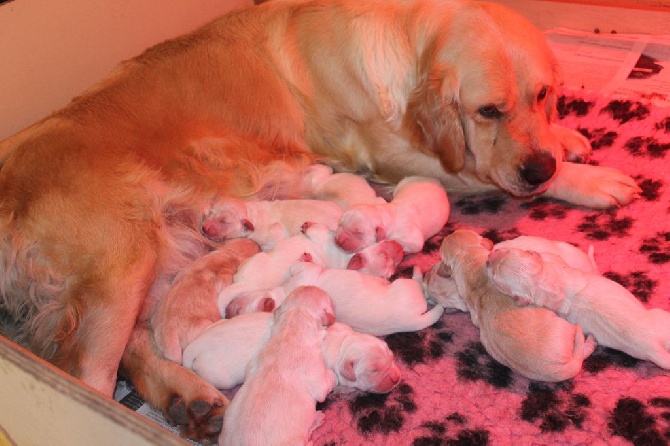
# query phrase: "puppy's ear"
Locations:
[[380, 233], [357, 262], [348, 370], [434, 118]]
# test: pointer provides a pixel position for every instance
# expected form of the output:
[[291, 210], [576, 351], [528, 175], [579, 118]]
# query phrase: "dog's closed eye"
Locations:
[[489, 111]]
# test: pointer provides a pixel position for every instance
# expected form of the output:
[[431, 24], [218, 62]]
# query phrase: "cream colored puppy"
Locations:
[[418, 210], [532, 341], [366, 303], [441, 287], [223, 351], [316, 244], [277, 402], [343, 188], [266, 222], [601, 306]]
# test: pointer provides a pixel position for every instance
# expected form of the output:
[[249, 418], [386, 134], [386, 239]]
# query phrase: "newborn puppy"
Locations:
[[418, 210], [601, 306], [366, 303], [270, 269], [531, 341], [343, 188], [277, 402], [266, 222], [222, 352], [572, 255], [360, 360], [190, 304], [441, 287]]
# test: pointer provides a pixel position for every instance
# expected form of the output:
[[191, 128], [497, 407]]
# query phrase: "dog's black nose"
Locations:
[[538, 168]]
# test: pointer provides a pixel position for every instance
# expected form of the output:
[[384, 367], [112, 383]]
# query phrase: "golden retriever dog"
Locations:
[[99, 201]]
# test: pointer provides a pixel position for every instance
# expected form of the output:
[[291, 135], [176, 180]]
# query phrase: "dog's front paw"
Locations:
[[576, 148], [593, 186]]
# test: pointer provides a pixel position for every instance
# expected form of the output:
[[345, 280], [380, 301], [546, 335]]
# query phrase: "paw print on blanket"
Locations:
[[603, 225], [624, 111], [639, 423], [600, 137], [637, 282], [646, 146], [573, 106], [497, 236], [604, 357], [554, 406], [422, 346], [657, 249], [475, 364], [451, 430], [664, 125], [651, 189], [490, 203], [383, 413], [543, 208]]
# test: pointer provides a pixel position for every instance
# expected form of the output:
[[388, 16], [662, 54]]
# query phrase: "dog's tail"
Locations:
[[426, 319]]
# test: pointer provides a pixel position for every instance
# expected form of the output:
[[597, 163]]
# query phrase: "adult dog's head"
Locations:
[[486, 96]]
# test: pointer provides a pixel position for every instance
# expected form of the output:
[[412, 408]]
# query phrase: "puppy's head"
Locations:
[[515, 272], [312, 300], [360, 226], [366, 363], [486, 98], [381, 259], [463, 242], [226, 219]]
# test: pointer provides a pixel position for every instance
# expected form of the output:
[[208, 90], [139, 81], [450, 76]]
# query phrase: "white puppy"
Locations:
[[418, 210], [266, 222], [530, 340], [441, 287], [367, 303], [277, 402], [270, 269], [222, 352], [601, 306], [343, 188]]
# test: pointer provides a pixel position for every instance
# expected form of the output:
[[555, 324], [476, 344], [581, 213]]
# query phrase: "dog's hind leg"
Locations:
[[184, 398]]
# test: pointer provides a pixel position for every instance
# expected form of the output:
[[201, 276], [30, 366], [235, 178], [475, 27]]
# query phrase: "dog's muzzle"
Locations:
[[538, 168]]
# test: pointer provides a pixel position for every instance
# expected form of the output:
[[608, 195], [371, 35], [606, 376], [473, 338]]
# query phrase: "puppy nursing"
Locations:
[[418, 210], [289, 368], [532, 341], [599, 305]]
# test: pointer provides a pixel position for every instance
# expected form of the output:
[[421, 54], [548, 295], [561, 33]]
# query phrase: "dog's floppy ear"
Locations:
[[348, 370], [435, 119]]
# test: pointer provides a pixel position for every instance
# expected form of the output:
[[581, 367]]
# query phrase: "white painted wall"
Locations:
[[51, 50]]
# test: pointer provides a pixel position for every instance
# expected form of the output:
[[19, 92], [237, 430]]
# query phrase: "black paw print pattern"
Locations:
[[604, 357], [646, 146], [451, 431], [600, 138], [491, 203], [576, 107], [651, 189], [639, 423], [475, 364], [543, 208], [554, 407], [637, 282], [497, 236], [419, 347], [602, 226], [624, 111], [657, 249], [663, 125], [383, 413]]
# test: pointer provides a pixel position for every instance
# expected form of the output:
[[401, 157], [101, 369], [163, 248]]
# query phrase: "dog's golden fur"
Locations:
[[99, 201]]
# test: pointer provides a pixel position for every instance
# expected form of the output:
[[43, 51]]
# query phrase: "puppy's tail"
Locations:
[[426, 319]]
